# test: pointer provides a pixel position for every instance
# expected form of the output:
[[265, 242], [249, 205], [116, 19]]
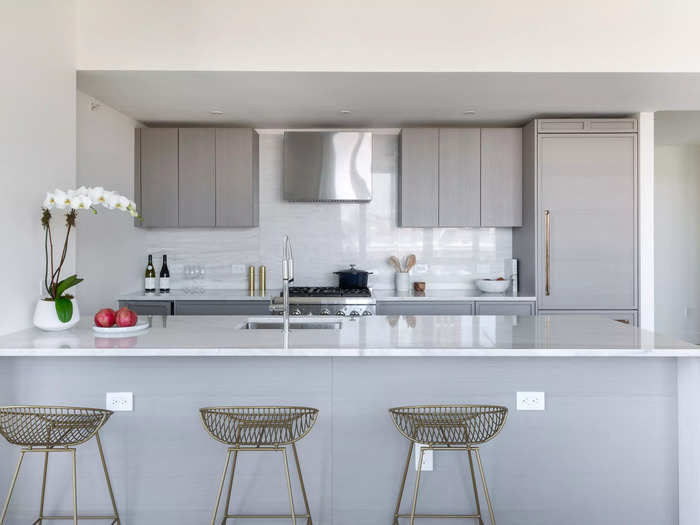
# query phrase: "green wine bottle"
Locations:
[[150, 282]]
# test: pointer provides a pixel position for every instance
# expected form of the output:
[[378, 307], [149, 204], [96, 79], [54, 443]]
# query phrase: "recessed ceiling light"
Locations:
[[216, 112], [345, 111], [469, 112]]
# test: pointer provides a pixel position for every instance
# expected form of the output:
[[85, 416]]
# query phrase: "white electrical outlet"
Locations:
[[427, 457], [120, 401], [530, 400]]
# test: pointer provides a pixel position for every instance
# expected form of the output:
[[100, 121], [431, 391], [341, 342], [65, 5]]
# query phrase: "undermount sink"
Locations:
[[264, 323]]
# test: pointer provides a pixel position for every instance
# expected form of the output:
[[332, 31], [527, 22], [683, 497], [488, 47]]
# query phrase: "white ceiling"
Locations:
[[314, 99]]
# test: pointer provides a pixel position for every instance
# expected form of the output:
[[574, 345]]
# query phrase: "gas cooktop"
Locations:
[[328, 291], [327, 300]]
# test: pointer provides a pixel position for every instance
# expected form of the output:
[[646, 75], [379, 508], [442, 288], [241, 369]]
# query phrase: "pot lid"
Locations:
[[352, 271]]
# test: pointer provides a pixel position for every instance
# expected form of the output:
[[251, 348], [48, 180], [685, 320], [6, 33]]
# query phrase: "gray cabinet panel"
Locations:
[[157, 177], [149, 307], [588, 183], [236, 177], [584, 125], [459, 177], [197, 179], [501, 177], [425, 308], [623, 316], [504, 308], [418, 181], [222, 308]]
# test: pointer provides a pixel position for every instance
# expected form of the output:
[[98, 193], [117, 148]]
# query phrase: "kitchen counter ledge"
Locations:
[[453, 336]]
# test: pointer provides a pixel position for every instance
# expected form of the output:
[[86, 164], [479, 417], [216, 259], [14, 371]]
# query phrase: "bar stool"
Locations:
[[264, 428], [448, 427], [53, 429]]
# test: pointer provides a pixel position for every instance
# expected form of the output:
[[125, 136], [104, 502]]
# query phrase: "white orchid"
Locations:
[[97, 195], [80, 202], [62, 200], [50, 200], [84, 198]]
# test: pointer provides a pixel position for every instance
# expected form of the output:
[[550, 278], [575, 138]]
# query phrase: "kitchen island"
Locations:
[[622, 424]]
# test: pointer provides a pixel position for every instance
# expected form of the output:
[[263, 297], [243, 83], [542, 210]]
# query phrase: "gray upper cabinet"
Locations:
[[459, 177], [156, 176], [587, 221], [418, 186], [587, 125], [237, 177], [196, 177], [502, 177]]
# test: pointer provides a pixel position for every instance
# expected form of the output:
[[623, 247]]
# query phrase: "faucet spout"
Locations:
[[287, 277]]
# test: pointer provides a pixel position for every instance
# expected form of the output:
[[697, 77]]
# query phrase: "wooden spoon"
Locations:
[[410, 262], [394, 261]]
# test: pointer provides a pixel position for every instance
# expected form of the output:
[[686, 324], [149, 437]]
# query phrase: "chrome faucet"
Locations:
[[287, 277]]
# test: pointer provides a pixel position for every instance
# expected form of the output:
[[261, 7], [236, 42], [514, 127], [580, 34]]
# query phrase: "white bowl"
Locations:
[[492, 286]]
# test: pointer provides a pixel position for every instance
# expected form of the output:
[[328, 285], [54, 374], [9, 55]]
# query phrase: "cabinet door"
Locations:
[[425, 308], [504, 308], [236, 177], [149, 307], [222, 308], [157, 177], [197, 179], [459, 177], [621, 316], [501, 177], [587, 202], [418, 186]]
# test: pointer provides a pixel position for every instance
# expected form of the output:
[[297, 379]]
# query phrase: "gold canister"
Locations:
[[251, 280], [262, 286]]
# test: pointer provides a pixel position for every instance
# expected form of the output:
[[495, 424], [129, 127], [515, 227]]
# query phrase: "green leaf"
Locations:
[[67, 283], [64, 309]]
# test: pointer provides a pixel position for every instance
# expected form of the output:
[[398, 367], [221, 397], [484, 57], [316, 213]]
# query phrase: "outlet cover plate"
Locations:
[[120, 401], [530, 400], [427, 458]]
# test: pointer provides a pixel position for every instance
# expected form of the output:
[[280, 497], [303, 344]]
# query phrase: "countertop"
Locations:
[[381, 296], [468, 336]]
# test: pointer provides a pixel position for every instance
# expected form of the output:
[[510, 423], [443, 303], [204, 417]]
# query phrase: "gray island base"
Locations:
[[616, 444]]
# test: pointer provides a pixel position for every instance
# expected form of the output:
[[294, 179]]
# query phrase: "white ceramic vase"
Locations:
[[402, 281], [46, 318]]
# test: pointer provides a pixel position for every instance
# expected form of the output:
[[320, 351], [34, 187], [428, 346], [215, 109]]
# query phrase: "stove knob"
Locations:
[[325, 311], [296, 311], [340, 312], [354, 313], [366, 313]]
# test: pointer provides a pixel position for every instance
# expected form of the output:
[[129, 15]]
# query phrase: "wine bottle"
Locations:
[[164, 281], [150, 281]]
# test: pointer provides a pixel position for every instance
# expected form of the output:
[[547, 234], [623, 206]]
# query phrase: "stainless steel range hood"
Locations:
[[332, 166]]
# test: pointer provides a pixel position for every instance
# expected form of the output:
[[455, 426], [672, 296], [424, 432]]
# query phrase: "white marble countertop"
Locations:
[[468, 336], [449, 295]]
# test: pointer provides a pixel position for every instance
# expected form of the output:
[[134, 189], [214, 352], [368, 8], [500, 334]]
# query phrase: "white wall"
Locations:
[[37, 140], [677, 241], [389, 35]]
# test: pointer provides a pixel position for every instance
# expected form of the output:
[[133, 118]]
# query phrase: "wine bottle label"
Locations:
[[165, 283], [150, 283]]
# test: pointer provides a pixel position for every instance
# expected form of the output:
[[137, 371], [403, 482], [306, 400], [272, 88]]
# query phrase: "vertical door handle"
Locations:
[[547, 242]]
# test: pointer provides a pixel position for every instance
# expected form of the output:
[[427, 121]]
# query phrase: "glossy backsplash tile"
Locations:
[[330, 236]]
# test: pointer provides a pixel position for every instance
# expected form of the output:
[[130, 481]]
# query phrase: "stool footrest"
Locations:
[[114, 518], [265, 516], [456, 516]]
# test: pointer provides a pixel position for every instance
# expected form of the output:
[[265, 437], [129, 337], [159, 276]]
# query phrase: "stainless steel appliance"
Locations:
[[327, 301], [327, 166]]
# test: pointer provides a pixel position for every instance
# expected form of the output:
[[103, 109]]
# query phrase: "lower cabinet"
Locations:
[[623, 316], [222, 308], [504, 308], [149, 307], [425, 308]]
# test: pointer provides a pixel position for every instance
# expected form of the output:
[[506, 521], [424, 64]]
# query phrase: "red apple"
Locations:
[[126, 317], [105, 317]]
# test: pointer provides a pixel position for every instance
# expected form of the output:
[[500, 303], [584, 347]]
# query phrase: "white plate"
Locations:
[[119, 330]]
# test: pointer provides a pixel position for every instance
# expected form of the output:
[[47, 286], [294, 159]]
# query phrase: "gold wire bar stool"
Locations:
[[263, 428], [448, 427], [54, 429]]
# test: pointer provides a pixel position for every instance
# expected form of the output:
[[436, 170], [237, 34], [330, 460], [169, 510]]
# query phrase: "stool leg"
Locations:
[[403, 483], [109, 483], [75, 489], [301, 481], [289, 485], [12, 487], [43, 489], [476, 491], [221, 487], [415, 491], [486, 488], [230, 487]]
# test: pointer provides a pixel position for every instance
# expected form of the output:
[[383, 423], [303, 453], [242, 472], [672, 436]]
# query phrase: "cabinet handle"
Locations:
[[547, 242]]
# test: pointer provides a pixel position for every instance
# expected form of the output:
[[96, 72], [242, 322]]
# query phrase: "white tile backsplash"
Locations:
[[330, 236]]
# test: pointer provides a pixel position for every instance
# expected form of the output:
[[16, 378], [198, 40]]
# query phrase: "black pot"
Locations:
[[352, 278]]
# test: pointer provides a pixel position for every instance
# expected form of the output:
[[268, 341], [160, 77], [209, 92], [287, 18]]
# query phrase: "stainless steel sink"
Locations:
[[264, 323]]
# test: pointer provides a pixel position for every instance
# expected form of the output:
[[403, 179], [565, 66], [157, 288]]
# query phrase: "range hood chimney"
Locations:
[[327, 166]]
